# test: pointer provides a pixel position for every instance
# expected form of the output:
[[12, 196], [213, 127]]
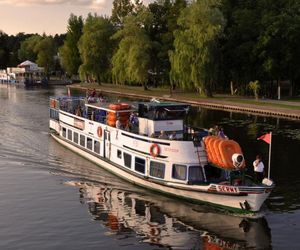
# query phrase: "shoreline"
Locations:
[[226, 105]]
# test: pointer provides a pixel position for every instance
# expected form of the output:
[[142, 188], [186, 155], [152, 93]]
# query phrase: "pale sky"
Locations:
[[49, 16]]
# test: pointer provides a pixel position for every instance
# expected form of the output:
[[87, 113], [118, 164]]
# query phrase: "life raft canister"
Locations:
[[154, 150], [99, 131]]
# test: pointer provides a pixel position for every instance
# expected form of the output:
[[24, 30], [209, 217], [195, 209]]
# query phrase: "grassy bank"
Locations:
[[186, 96]]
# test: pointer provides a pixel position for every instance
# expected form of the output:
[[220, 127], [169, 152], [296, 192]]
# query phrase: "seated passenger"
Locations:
[[118, 124], [163, 135], [173, 136]]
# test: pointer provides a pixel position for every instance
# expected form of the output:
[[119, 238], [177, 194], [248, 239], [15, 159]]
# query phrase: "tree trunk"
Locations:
[[231, 88], [98, 80]]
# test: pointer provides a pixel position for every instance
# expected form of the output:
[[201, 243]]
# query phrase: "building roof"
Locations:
[[27, 63]]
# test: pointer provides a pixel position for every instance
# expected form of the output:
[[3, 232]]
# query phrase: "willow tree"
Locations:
[[69, 53], [27, 48], [95, 48], [194, 59], [131, 61]]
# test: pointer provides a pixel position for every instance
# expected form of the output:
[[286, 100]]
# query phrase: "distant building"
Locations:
[[26, 71]]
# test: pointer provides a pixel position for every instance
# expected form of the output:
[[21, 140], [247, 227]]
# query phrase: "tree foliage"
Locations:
[[131, 60], [120, 10], [46, 51], [194, 60], [95, 48], [69, 52], [27, 49]]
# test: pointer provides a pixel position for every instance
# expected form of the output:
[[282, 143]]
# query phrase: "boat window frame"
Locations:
[[139, 164], [75, 135], [181, 165], [119, 153], [95, 147], [82, 140], [70, 134], [163, 170], [125, 157], [201, 171], [64, 132], [89, 142]]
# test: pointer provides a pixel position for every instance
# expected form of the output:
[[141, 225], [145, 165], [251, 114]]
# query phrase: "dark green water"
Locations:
[[53, 199]]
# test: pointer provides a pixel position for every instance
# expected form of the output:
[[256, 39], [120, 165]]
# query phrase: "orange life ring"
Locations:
[[99, 132], [154, 150]]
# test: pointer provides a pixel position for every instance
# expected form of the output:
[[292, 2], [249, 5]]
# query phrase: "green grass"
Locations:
[[178, 95]]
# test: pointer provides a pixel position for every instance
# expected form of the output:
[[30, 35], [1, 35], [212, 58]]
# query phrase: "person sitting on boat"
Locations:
[[78, 111], [163, 135], [173, 136], [118, 123], [221, 133], [258, 169]]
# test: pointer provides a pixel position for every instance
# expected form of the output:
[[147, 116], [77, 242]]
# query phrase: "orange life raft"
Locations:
[[220, 151]]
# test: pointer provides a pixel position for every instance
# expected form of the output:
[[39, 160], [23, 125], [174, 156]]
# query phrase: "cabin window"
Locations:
[[119, 154], [89, 143], [214, 174], [195, 173], [139, 165], [75, 137], [179, 172], [157, 169], [70, 134], [64, 132], [82, 140], [127, 160], [97, 147]]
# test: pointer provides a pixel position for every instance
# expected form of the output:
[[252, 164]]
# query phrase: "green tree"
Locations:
[[131, 60], [4, 53], [95, 48], [69, 52], [255, 87], [194, 60], [27, 48], [121, 9], [46, 51]]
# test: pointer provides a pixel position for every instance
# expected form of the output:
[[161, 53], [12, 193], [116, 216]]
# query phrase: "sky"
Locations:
[[46, 16]]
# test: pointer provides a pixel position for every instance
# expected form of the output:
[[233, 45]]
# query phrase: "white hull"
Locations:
[[239, 198]]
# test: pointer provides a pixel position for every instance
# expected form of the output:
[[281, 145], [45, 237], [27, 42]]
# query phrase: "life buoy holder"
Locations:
[[154, 150], [99, 131]]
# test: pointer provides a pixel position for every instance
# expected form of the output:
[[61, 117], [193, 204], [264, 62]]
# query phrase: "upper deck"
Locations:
[[155, 119]]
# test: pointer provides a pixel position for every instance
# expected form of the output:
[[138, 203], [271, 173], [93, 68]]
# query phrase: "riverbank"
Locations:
[[264, 107]]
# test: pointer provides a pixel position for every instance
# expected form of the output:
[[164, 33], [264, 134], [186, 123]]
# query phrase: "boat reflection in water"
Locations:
[[169, 223]]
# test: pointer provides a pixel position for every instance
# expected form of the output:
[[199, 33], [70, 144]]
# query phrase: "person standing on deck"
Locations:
[[258, 169]]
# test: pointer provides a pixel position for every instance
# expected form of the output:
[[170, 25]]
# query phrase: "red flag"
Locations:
[[266, 138]]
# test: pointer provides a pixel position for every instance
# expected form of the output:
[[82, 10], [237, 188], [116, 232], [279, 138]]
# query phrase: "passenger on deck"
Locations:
[[258, 169], [173, 136], [78, 111], [118, 124], [163, 135], [221, 134]]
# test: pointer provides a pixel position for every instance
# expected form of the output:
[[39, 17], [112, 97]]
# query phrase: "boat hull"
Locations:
[[245, 200]]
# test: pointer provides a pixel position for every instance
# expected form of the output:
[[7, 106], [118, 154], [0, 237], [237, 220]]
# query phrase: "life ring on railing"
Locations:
[[99, 131], [154, 150]]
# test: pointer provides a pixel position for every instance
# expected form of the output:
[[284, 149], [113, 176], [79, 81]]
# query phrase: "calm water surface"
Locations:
[[50, 198]]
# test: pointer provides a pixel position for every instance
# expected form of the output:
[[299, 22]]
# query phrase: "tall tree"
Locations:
[[131, 60], [4, 52], [194, 60], [69, 52], [27, 48], [121, 9], [46, 51], [95, 48]]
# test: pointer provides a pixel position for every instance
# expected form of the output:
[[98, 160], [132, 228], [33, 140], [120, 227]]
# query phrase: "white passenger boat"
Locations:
[[191, 165]]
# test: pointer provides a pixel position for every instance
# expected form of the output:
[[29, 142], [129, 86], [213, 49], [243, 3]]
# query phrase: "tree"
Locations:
[[131, 60], [95, 48], [27, 48], [4, 52], [45, 50], [121, 9], [69, 52], [194, 59], [255, 87]]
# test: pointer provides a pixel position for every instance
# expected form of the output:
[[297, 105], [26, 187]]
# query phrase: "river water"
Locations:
[[53, 199]]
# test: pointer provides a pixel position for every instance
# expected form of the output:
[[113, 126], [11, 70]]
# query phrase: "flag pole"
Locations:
[[270, 147]]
